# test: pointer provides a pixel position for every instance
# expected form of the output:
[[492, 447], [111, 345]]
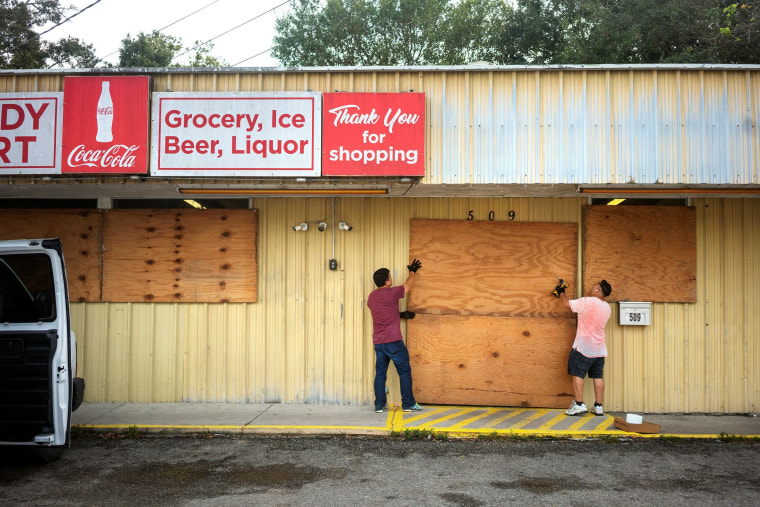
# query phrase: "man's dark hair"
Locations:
[[381, 276], [606, 289]]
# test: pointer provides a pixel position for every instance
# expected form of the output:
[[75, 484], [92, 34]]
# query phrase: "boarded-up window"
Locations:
[[487, 329], [646, 253], [186, 256], [81, 234]]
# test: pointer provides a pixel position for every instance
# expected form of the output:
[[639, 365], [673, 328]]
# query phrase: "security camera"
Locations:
[[322, 226], [343, 226], [303, 226]]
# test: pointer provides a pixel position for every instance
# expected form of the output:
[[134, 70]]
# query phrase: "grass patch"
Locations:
[[132, 432], [724, 437], [420, 434]]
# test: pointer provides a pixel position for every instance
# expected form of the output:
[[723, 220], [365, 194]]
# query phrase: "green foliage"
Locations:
[[519, 32], [148, 50], [132, 432], [201, 57], [420, 434], [21, 46], [383, 32], [159, 50]]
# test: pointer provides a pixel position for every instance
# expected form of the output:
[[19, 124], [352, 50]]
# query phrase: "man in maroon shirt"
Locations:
[[387, 338]]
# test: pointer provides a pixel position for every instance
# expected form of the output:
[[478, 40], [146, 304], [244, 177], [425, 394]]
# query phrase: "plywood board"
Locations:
[[491, 268], [646, 253], [180, 256], [492, 361], [81, 234]]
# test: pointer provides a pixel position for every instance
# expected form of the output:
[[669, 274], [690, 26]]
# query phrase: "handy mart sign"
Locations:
[[30, 133]]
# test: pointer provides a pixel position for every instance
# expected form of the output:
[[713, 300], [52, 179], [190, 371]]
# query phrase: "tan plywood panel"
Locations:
[[491, 268], [180, 256], [80, 233], [647, 253], [497, 361]]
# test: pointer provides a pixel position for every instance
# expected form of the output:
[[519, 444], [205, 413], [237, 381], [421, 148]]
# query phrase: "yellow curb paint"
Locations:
[[583, 420], [514, 412], [554, 420], [471, 420], [435, 421], [538, 413], [471, 433], [419, 415], [605, 424]]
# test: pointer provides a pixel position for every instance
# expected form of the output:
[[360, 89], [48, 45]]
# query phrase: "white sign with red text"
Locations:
[[236, 134], [106, 129], [30, 133]]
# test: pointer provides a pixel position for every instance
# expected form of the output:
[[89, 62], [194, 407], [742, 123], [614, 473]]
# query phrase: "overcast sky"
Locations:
[[105, 24]]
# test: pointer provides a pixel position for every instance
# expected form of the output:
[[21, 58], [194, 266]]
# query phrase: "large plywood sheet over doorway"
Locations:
[[488, 331]]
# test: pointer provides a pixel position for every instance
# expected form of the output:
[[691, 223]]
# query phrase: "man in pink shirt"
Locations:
[[589, 348], [387, 338]]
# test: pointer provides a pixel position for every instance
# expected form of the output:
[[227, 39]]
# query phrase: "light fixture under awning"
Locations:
[[282, 191]]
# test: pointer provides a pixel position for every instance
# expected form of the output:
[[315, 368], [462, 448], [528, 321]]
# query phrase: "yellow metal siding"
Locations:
[[541, 126], [308, 339]]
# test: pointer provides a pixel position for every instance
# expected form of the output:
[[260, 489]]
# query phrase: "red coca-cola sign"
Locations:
[[105, 124]]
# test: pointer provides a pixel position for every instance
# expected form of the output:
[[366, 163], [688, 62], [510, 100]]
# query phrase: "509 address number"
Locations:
[[491, 215]]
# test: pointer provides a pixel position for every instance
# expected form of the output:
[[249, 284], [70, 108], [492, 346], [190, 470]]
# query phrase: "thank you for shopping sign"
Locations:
[[236, 134], [373, 134]]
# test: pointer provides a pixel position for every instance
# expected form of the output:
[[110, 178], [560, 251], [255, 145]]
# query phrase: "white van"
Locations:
[[38, 353]]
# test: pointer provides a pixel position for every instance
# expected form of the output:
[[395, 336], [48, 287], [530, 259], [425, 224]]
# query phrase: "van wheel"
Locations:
[[45, 455]]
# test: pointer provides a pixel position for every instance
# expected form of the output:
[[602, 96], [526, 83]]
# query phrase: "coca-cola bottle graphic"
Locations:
[[105, 114]]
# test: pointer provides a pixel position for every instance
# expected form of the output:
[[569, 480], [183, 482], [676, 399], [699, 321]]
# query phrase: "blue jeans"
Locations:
[[384, 354]]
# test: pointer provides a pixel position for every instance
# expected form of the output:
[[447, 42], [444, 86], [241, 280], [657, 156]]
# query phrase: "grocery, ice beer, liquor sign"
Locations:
[[373, 134], [106, 124], [30, 133], [236, 134]]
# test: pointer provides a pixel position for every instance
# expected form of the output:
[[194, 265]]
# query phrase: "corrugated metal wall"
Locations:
[[561, 126], [669, 124], [308, 339]]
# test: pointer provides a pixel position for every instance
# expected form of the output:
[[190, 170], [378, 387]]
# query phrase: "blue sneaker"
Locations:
[[381, 410], [415, 408]]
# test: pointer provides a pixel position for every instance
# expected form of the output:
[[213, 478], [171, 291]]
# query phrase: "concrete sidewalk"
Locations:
[[453, 421]]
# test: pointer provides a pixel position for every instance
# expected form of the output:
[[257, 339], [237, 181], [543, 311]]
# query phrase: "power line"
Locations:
[[38, 35], [69, 18], [232, 29], [252, 57], [167, 26]]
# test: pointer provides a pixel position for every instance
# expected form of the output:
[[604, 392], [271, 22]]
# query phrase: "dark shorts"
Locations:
[[579, 365]]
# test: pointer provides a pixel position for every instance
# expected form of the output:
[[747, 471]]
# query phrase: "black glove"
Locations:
[[414, 266], [406, 315], [560, 289]]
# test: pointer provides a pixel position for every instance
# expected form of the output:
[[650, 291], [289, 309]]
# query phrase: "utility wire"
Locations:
[[38, 35], [69, 18], [252, 57], [167, 26], [232, 29]]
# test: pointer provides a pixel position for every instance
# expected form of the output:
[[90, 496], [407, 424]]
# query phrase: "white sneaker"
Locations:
[[598, 409], [577, 409]]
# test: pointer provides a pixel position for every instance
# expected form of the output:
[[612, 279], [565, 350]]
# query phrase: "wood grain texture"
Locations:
[[491, 268], [180, 256], [491, 361], [81, 235], [646, 253]]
